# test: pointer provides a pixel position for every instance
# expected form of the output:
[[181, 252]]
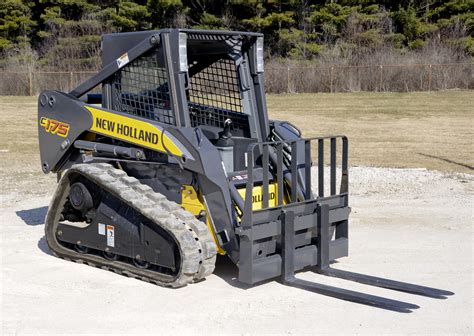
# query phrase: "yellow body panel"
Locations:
[[131, 130], [257, 196], [193, 203]]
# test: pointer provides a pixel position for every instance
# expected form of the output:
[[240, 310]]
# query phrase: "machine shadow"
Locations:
[[43, 246], [227, 271], [35, 216]]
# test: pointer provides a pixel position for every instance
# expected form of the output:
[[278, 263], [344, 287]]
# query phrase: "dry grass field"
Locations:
[[432, 130], [408, 130]]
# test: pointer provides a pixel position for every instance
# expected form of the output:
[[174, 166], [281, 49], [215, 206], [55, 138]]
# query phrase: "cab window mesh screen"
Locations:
[[141, 89], [214, 96]]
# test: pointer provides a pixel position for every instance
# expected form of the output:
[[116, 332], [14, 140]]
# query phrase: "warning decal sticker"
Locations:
[[122, 60], [102, 229], [110, 236]]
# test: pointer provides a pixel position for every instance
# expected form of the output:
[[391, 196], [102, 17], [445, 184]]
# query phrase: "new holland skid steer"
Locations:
[[174, 161]]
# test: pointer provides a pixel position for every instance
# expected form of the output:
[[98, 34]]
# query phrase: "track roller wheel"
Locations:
[[110, 256], [143, 264], [81, 249]]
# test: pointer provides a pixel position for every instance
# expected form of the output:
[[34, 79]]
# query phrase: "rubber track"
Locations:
[[195, 242]]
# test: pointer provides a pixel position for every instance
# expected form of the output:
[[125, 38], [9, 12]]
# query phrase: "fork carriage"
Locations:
[[287, 237]]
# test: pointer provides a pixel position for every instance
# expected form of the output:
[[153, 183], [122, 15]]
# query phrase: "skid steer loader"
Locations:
[[166, 158]]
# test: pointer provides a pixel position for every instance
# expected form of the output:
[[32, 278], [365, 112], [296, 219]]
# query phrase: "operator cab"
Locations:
[[208, 80]]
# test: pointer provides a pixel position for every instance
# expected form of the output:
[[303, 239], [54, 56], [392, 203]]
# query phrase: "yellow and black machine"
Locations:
[[167, 158]]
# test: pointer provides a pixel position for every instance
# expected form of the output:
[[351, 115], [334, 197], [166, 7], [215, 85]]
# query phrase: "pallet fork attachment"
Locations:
[[323, 267], [326, 215]]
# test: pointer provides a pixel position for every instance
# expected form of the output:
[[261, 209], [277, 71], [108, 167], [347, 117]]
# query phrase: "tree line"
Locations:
[[65, 34]]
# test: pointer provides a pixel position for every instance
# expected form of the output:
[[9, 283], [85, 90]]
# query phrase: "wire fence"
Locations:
[[372, 78], [289, 79]]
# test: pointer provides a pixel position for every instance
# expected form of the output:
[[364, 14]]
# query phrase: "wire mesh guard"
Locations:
[[141, 89], [214, 96]]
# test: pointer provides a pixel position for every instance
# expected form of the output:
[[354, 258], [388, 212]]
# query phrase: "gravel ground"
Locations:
[[411, 225]]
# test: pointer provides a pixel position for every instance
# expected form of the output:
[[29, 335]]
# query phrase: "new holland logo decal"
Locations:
[[55, 127], [126, 131], [132, 130]]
